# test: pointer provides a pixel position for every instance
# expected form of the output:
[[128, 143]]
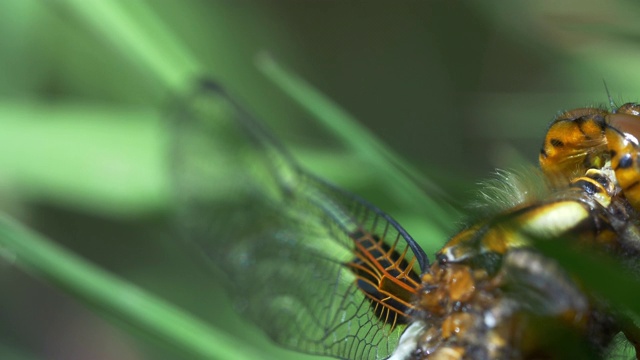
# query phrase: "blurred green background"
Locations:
[[456, 88]]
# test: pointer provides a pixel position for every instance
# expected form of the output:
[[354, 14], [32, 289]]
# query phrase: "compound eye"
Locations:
[[629, 108], [580, 112]]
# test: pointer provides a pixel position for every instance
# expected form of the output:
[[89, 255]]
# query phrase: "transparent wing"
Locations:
[[298, 254]]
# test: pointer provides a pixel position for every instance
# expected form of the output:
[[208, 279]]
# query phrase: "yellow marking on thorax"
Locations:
[[553, 219], [542, 220]]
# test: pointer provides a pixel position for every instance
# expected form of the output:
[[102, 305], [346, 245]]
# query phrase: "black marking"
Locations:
[[589, 187], [543, 153], [580, 121], [556, 143], [625, 162], [613, 153], [442, 259], [600, 121], [601, 179], [596, 118], [379, 298], [379, 253], [490, 261], [368, 282]]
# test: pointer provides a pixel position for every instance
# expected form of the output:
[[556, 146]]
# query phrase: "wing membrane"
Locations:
[[281, 237]]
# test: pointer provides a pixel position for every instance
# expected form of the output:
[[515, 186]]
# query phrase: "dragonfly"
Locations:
[[323, 271]]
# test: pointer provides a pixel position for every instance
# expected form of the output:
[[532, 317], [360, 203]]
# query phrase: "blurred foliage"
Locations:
[[456, 88]]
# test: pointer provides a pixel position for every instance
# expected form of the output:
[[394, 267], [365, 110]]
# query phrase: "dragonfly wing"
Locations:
[[281, 237]]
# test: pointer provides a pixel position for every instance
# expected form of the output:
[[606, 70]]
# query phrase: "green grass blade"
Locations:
[[135, 30], [102, 159], [362, 141], [116, 297]]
